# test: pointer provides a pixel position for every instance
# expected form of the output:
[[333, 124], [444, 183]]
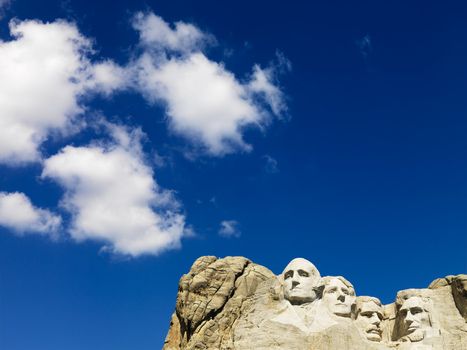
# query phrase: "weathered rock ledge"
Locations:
[[233, 303]]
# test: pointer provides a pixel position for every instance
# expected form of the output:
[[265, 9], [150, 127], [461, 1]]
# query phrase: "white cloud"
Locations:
[[106, 77], [17, 213], [156, 34], [110, 190], [262, 83], [113, 197], [229, 228], [205, 102], [45, 70]]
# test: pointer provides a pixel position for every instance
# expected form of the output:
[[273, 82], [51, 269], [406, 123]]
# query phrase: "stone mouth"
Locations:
[[412, 328], [296, 290]]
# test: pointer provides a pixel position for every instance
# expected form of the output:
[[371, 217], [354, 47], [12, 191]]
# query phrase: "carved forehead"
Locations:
[[415, 302], [301, 264], [365, 302], [369, 305], [337, 281]]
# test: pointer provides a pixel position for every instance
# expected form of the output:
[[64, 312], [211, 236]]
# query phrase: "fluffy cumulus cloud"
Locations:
[[109, 189], [229, 228], [18, 214], [45, 70], [205, 102], [113, 197]]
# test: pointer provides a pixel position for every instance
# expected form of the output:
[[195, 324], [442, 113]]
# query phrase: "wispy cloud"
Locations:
[[229, 229], [365, 46], [271, 165]]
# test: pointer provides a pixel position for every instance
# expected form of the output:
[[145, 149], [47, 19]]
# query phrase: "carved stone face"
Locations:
[[415, 317], [300, 278], [369, 317], [338, 297]]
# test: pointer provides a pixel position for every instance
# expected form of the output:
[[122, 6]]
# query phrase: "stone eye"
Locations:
[[288, 274], [303, 273]]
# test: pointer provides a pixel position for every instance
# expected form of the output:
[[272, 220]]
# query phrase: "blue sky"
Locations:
[[136, 136]]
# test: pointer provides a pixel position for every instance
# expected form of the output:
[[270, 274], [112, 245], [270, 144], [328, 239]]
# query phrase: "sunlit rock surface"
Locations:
[[232, 303]]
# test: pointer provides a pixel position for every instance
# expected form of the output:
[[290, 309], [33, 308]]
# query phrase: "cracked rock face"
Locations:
[[233, 303], [210, 300]]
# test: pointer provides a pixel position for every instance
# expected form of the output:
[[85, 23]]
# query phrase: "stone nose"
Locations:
[[295, 283], [409, 318], [341, 297], [374, 319]]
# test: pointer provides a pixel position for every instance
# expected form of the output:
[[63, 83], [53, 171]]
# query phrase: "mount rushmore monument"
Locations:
[[233, 303]]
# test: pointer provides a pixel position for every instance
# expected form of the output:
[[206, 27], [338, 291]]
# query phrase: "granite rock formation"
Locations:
[[234, 304]]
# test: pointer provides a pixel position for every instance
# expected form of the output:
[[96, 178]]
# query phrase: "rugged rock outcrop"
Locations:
[[234, 304]]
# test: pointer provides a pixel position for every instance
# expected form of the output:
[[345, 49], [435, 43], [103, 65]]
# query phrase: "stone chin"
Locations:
[[299, 298], [415, 331], [416, 335], [373, 335], [341, 309]]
